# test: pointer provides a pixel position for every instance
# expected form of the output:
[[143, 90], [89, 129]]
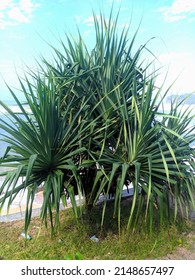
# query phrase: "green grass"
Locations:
[[73, 239]]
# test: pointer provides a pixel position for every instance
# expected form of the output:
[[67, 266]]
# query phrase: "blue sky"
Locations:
[[26, 25]]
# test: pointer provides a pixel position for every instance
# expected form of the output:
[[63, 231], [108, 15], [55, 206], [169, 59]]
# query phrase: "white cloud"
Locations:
[[14, 12], [90, 20], [178, 10], [27, 6], [5, 4], [180, 67], [124, 25]]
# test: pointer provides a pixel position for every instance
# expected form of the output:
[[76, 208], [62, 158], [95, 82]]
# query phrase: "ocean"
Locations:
[[3, 145], [3, 116], [15, 108]]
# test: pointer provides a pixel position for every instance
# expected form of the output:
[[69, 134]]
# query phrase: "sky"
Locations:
[[27, 26]]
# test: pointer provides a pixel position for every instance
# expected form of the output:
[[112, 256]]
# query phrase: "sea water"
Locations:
[[15, 108], [5, 117]]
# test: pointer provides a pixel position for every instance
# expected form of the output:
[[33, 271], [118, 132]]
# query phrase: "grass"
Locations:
[[73, 240]]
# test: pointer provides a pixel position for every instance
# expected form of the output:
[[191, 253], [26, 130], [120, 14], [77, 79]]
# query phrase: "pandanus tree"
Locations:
[[92, 125]]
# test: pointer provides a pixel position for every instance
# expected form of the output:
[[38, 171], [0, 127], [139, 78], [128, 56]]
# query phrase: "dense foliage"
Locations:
[[91, 125]]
